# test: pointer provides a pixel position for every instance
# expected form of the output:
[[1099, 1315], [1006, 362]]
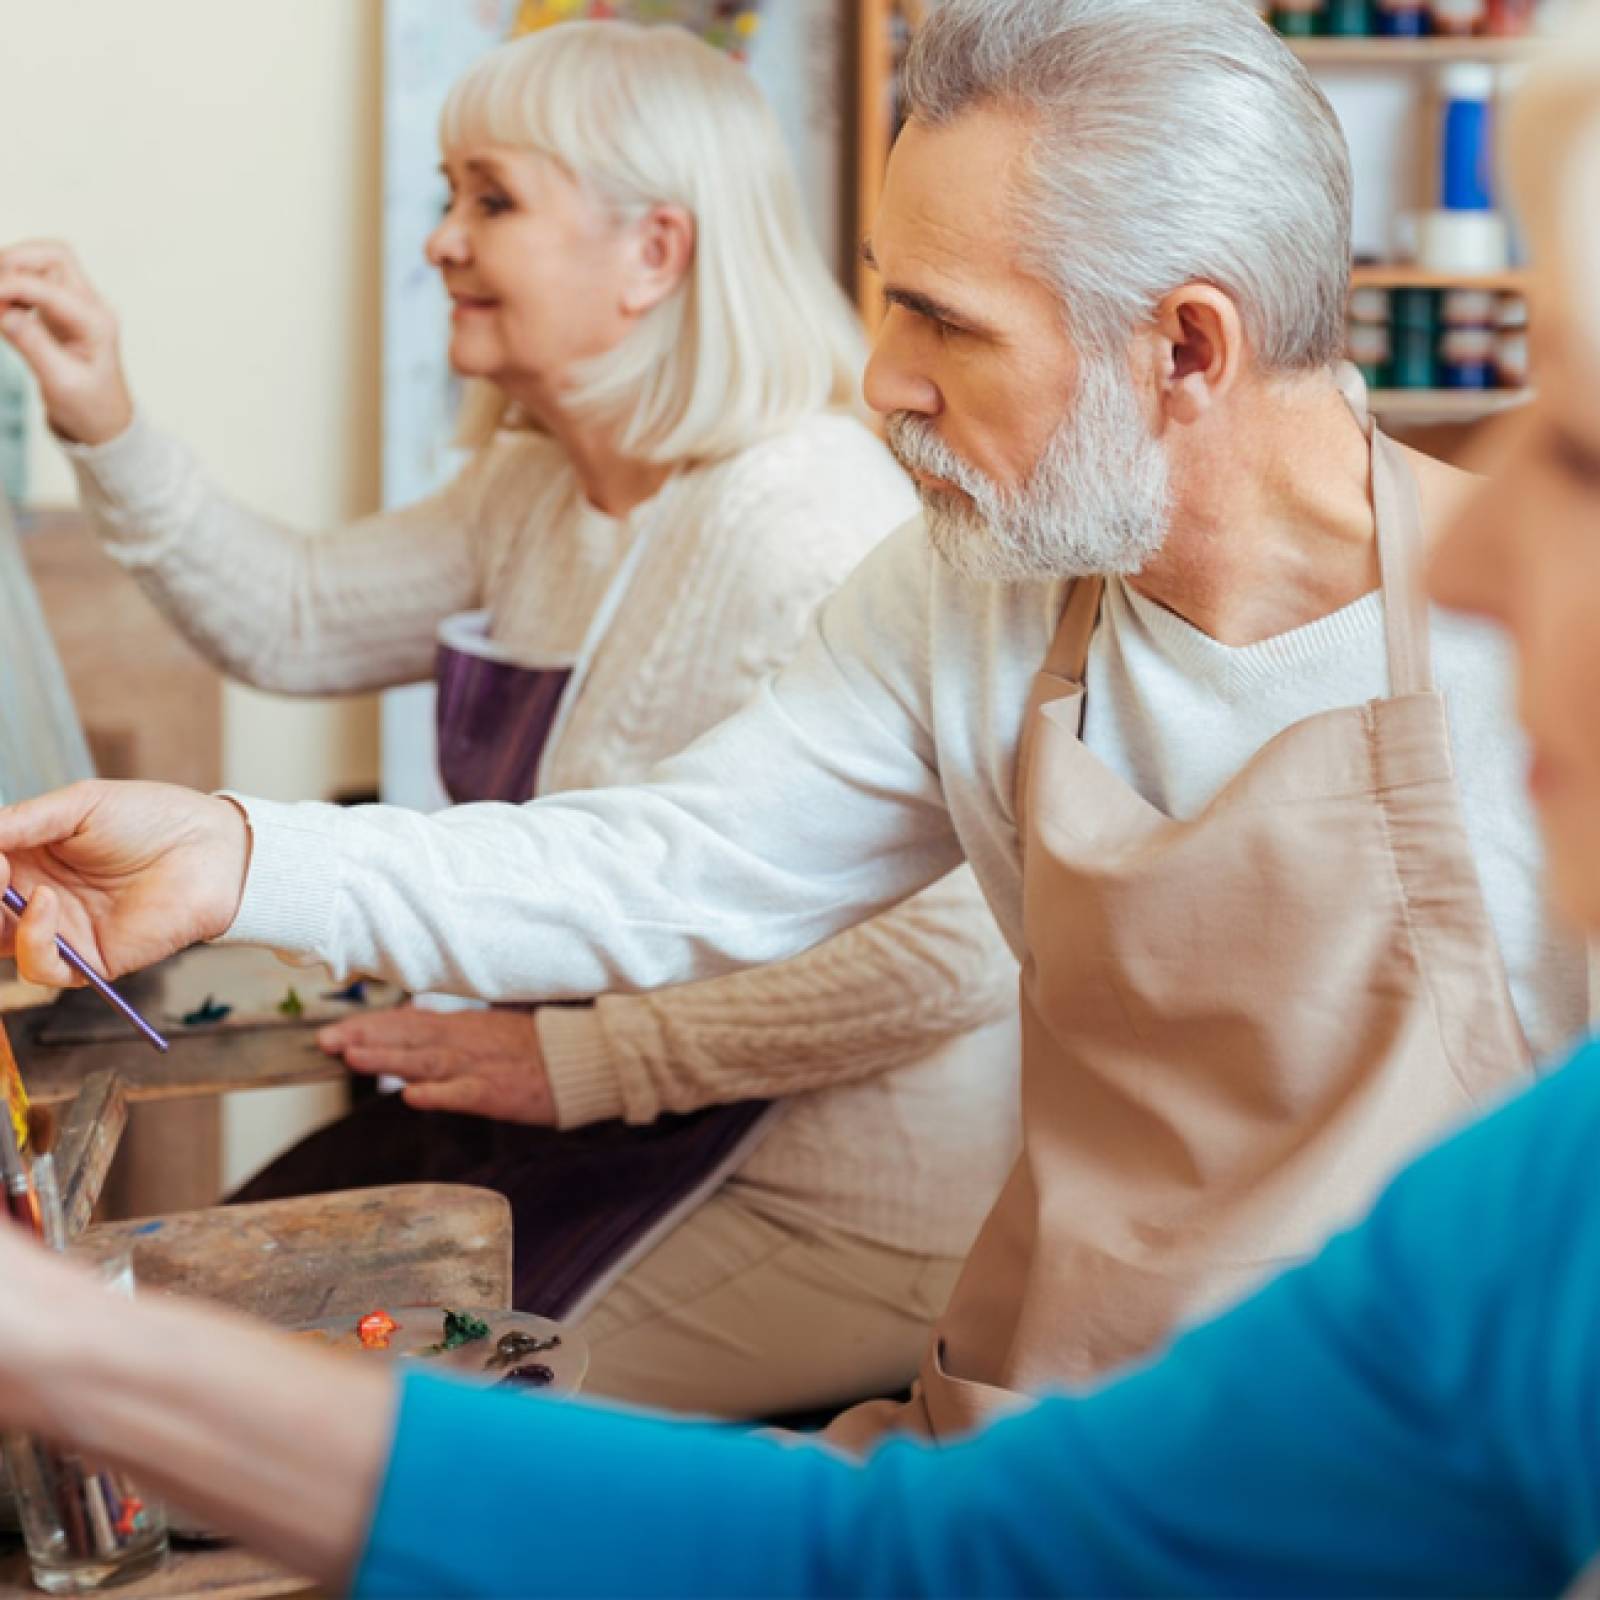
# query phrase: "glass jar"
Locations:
[[86, 1526]]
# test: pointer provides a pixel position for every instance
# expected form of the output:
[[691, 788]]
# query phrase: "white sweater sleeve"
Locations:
[[340, 611], [813, 809]]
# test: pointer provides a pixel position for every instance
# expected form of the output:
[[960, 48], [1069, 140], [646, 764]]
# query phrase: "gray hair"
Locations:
[[1179, 141]]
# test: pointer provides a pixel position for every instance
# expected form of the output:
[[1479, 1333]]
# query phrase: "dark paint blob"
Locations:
[[533, 1376], [514, 1346]]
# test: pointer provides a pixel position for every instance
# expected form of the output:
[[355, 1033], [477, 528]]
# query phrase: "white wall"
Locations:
[[216, 164]]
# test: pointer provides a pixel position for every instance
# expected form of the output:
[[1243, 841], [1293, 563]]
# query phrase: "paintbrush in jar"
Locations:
[[20, 1203]]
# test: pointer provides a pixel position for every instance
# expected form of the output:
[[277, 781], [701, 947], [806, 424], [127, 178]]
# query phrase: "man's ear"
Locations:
[[1199, 351], [663, 251]]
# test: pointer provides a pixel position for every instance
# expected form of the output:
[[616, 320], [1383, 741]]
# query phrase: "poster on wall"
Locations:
[[795, 49], [728, 24]]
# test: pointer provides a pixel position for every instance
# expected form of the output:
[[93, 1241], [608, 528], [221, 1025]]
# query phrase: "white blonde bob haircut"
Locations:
[[758, 335]]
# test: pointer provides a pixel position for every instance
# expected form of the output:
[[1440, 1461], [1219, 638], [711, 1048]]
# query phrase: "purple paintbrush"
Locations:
[[15, 904]]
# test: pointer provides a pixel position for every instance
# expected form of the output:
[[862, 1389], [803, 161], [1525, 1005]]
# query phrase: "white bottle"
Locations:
[[1460, 18]]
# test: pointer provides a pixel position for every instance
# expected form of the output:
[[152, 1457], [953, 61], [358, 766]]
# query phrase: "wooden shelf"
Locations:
[[1412, 53], [1423, 406], [1516, 281], [873, 132]]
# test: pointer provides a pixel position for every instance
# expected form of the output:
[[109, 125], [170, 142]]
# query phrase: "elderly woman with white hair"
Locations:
[[668, 473]]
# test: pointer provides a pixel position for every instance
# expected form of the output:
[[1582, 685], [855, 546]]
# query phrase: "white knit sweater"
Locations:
[[894, 1044]]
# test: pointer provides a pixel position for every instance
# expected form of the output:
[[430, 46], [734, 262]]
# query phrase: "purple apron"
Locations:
[[588, 1202]]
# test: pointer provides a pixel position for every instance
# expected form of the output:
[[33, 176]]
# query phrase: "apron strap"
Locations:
[[1069, 650], [1398, 510], [1062, 671]]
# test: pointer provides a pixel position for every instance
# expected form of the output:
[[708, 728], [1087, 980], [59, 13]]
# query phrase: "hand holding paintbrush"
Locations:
[[126, 873]]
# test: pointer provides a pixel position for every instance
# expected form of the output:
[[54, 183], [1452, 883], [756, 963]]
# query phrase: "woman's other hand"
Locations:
[[483, 1063], [55, 319], [127, 872]]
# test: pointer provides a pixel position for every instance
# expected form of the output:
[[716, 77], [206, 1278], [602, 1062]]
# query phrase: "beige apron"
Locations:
[[1235, 1027]]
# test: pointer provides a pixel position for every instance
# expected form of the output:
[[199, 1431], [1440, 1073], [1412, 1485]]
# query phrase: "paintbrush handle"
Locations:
[[17, 905]]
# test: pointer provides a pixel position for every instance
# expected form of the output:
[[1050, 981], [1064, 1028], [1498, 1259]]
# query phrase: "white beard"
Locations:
[[1097, 504]]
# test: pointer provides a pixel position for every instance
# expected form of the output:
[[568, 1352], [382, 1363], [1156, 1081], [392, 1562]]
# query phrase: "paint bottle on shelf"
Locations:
[[1403, 19], [1367, 345], [1467, 346], [1414, 339], [1460, 19], [1508, 18], [1466, 235], [1299, 19], [1511, 365], [13, 428], [1350, 19], [1468, 148], [1367, 335]]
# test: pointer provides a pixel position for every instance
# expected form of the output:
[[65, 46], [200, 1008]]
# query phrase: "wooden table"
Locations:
[[293, 1261]]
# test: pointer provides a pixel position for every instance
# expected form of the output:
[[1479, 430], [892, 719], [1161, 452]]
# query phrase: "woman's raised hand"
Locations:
[[126, 872], [55, 319]]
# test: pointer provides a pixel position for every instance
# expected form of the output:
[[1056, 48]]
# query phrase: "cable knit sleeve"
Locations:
[[875, 998], [340, 611]]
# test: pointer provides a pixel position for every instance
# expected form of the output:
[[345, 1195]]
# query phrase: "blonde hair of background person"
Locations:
[[1414, 1413], [638, 298], [758, 332]]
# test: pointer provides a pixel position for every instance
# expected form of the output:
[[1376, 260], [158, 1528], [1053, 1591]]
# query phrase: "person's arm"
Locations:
[[280, 1443], [817, 807], [1415, 1412], [872, 999], [337, 611], [351, 609]]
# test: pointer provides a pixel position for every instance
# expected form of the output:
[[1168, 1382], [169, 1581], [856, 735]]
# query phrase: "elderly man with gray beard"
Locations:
[[1153, 662]]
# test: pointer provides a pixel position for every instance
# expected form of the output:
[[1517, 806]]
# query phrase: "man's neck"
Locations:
[[1273, 526]]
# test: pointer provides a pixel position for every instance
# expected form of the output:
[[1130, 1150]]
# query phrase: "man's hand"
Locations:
[[126, 872], [484, 1063]]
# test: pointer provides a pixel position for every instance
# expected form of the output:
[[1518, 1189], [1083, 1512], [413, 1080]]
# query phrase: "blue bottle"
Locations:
[[1468, 137], [1402, 19]]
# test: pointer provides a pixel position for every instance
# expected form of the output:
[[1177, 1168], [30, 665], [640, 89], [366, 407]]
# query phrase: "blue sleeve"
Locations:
[[1415, 1412]]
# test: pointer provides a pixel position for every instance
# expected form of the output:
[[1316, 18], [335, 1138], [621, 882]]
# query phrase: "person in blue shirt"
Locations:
[[1416, 1411]]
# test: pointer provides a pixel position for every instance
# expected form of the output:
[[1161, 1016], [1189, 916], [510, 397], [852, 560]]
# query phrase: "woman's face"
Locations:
[[1527, 554], [540, 275]]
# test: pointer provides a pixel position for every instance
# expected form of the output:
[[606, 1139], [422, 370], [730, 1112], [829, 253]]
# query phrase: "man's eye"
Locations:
[[493, 205]]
